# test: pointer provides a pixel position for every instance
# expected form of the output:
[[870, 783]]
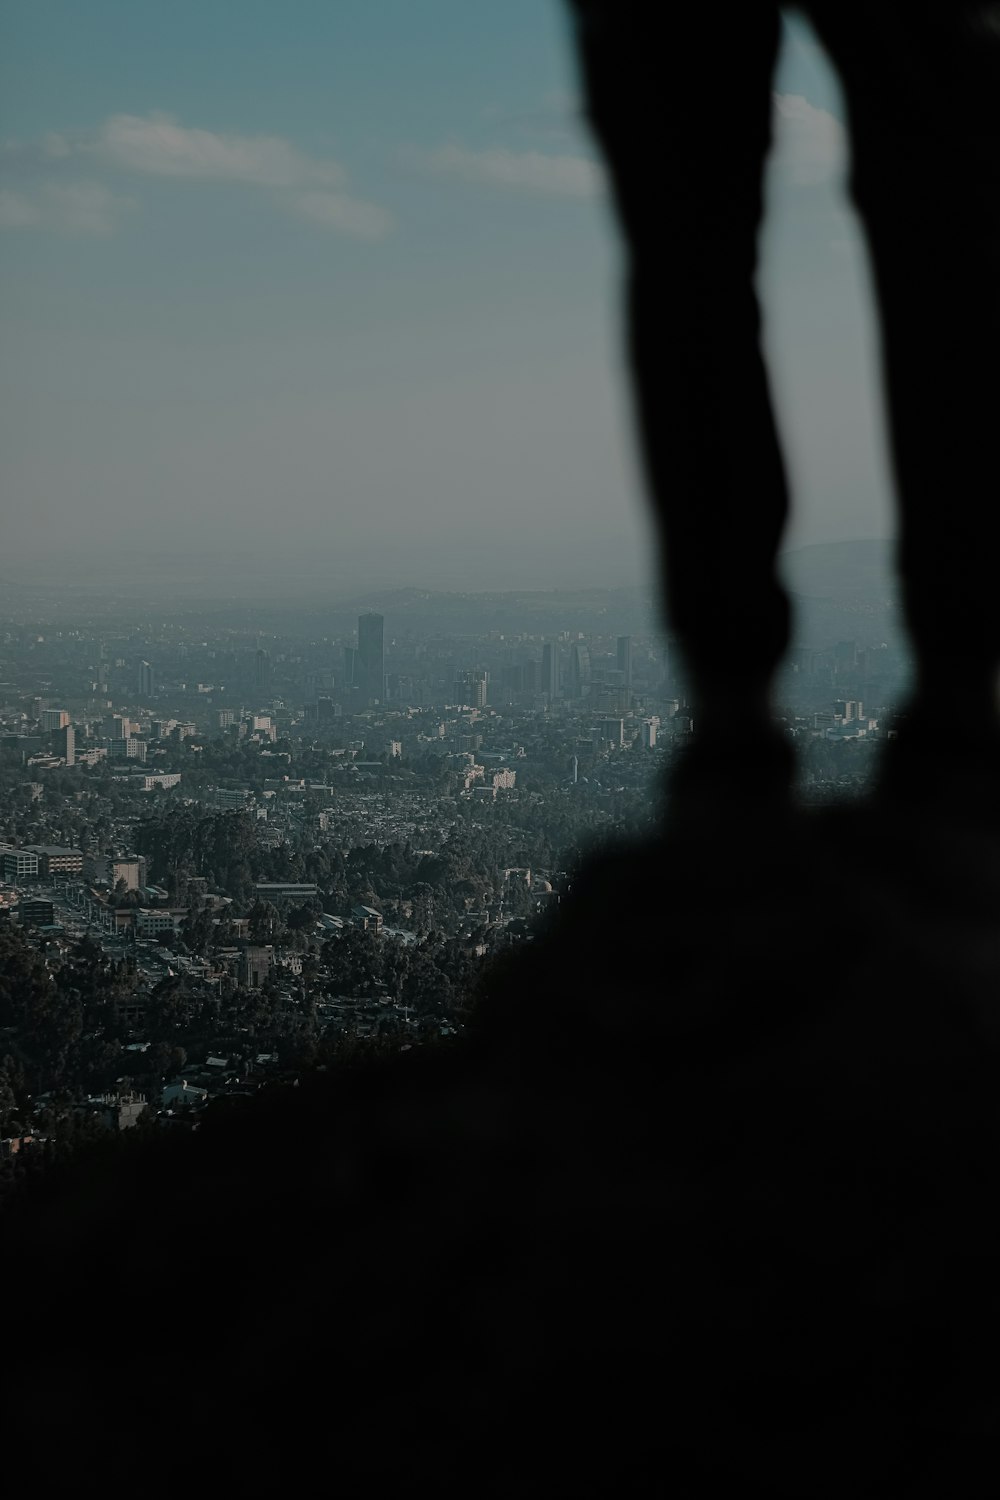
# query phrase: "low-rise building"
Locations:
[[55, 859], [184, 1094], [35, 912], [118, 1111], [151, 922], [18, 865], [367, 918], [285, 890], [255, 965]]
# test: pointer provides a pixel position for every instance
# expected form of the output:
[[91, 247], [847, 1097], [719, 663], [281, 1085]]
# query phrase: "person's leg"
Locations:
[[680, 101], [922, 84]]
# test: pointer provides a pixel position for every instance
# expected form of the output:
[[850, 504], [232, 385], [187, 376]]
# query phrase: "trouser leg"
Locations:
[[922, 85], [682, 110]]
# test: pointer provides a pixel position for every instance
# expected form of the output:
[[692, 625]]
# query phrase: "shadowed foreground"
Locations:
[[706, 1198]]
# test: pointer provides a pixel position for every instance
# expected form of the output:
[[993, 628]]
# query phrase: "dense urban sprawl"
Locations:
[[228, 855]]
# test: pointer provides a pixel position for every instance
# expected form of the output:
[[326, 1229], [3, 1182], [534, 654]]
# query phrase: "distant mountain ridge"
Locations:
[[840, 572]]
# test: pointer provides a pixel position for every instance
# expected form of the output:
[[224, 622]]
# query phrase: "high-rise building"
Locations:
[[625, 660], [511, 681], [66, 741], [262, 669], [550, 670], [579, 669], [117, 727], [846, 656], [371, 658], [473, 689], [147, 680], [54, 718], [319, 684]]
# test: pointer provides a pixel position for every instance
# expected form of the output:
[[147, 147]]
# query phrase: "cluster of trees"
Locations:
[[434, 977], [837, 761], [418, 890], [188, 842], [58, 1019], [62, 1030]]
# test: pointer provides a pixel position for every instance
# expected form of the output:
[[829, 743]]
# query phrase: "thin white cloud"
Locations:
[[810, 144], [70, 208], [339, 211], [554, 174], [157, 145]]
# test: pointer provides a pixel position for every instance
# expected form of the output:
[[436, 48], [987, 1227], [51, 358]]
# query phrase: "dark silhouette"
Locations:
[[682, 110], [702, 1202]]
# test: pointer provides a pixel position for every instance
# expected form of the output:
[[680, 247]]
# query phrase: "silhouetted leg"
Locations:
[[922, 82], [680, 100]]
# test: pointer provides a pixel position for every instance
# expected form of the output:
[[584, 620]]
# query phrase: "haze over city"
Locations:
[[328, 297]]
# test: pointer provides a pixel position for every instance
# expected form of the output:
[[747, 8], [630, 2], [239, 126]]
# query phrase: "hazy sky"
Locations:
[[335, 284]]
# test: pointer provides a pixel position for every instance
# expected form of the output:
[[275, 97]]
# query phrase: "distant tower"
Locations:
[[846, 656], [66, 740], [625, 660], [371, 658], [262, 670], [574, 769], [350, 672], [550, 670], [146, 680], [473, 688], [579, 669]]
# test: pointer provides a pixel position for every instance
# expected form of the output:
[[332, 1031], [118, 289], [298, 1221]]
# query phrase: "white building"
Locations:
[[18, 864]]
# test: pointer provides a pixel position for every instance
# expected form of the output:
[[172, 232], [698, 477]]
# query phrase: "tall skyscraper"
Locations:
[[371, 658], [262, 669], [54, 718], [66, 742], [579, 669], [550, 670], [625, 660], [147, 680], [846, 656]]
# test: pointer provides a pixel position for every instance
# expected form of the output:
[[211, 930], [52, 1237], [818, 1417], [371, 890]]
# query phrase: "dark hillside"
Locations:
[[705, 1197]]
